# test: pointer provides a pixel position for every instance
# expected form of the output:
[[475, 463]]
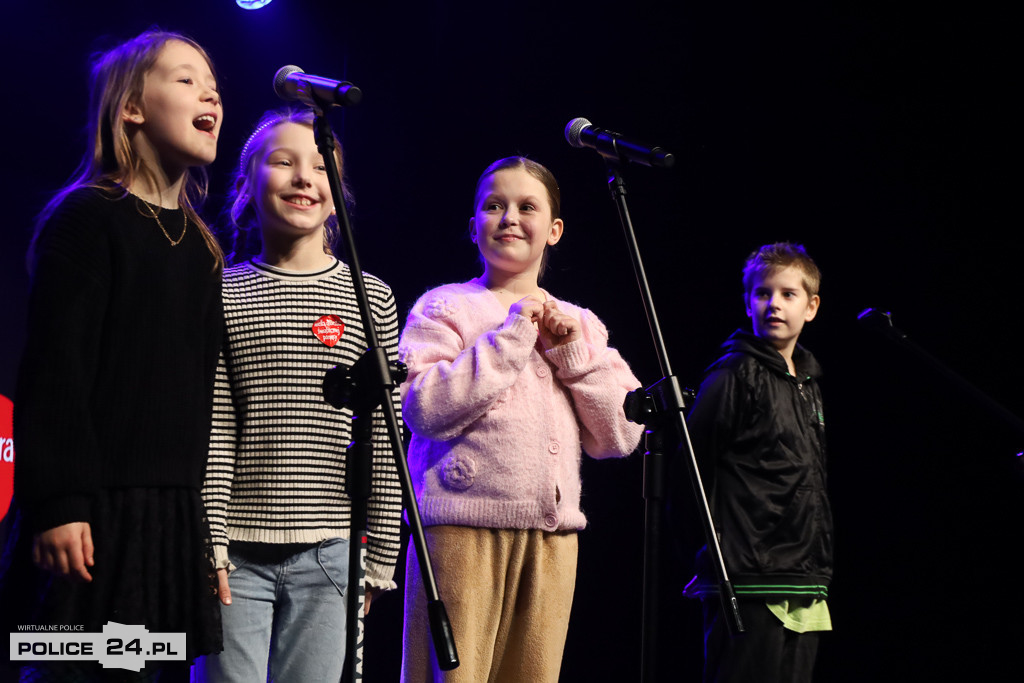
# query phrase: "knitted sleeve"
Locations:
[[220, 466], [453, 380], [384, 508], [57, 470], [598, 379]]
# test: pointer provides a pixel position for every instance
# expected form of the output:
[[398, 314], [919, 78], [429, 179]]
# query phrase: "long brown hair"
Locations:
[[110, 163]]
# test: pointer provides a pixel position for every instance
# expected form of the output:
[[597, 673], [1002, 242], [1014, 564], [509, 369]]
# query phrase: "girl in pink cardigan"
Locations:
[[506, 386]]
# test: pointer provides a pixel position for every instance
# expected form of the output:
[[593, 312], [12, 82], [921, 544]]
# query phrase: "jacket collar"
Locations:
[[742, 341]]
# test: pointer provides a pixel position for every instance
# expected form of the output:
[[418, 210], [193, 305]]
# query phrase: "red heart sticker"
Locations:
[[328, 329]]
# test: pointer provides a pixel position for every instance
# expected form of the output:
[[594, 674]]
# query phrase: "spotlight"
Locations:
[[252, 4]]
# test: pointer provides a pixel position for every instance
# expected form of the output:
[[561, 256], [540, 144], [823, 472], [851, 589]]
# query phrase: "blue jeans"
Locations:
[[287, 613]]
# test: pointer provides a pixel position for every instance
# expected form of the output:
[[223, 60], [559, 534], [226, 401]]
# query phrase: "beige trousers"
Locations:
[[507, 592]]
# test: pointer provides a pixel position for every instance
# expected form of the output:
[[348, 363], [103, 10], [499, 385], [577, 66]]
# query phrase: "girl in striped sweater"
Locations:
[[275, 480]]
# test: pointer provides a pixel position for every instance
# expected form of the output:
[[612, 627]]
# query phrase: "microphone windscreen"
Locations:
[[574, 129], [281, 79]]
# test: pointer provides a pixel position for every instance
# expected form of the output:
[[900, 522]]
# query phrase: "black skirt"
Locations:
[[152, 567]]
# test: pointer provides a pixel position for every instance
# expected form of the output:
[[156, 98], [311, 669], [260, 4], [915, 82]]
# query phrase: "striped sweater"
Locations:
[[276, 470]]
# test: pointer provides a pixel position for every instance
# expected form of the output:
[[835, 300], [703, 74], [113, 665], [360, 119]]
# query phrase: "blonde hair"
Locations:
[[240, 211], [778, 256], [117, 79]]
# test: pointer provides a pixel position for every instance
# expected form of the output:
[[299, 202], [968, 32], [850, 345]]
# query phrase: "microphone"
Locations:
[[581, 133], [881, 321], [292, 83]]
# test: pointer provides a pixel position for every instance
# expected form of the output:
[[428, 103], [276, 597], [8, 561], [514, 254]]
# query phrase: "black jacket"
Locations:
[[758, 434]]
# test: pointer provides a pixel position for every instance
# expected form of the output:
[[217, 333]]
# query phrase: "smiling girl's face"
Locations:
[[512, 223], [290, 184]]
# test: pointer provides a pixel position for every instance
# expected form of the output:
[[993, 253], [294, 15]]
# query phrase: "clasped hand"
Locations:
[[555, 327]]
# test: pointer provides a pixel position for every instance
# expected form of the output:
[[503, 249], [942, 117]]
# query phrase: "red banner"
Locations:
[[6, 453]]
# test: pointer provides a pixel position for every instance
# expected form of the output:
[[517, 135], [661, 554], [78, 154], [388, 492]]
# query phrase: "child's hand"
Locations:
[[371, 593], [528, 307], [65, 550], [223, 591], [557, 328]]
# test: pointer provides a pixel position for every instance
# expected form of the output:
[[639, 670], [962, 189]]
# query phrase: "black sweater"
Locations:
[[115, 386]]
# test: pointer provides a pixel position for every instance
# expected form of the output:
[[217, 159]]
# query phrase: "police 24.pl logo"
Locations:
[[119, 646]]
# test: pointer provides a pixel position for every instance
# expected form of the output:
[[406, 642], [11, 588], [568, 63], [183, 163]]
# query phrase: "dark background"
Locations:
[[876, 133]]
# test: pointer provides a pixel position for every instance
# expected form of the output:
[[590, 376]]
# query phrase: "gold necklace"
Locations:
[[153, 214]]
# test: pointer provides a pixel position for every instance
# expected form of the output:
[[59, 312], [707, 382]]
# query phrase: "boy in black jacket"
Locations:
[[758, 433]]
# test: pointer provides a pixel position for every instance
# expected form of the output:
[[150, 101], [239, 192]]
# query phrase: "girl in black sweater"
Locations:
[[112, 410]]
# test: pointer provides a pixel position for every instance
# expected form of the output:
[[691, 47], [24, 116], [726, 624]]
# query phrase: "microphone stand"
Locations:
[[367, 384], [660, 406], [881, 322]]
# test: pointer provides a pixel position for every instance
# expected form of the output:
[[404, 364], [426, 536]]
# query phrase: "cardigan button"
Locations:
[[542, 371], [554, 447], [550, 521]]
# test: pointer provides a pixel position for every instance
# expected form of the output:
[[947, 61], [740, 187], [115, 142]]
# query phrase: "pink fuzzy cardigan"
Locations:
[[497, 422]]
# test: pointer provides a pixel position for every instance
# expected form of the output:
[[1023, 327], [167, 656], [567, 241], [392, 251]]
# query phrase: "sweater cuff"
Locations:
[[572, 358], [220, 559], [378, 576], [521, 327], [59, 511]]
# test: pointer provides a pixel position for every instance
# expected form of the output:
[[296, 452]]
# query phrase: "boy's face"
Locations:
[[779, 306]]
